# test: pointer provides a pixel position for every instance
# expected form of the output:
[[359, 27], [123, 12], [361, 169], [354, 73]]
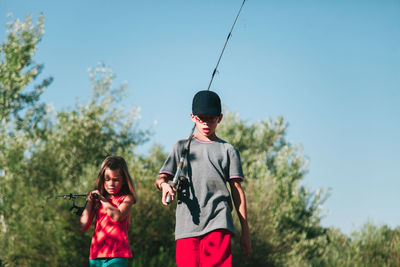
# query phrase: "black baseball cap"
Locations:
[[206, 102]]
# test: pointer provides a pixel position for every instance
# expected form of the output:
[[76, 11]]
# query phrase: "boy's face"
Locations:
[[206, 124]]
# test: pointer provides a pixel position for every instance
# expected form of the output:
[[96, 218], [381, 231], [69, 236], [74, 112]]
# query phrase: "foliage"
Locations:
[[369, 246], [279, 207], [62, 157], [42, 155], [151, 220], [17, 70]]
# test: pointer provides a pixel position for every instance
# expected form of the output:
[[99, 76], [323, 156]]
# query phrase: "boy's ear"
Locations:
[[220, 117], [193, 118]]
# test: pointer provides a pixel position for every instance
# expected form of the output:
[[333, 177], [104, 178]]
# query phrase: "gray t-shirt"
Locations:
[[206, 204]]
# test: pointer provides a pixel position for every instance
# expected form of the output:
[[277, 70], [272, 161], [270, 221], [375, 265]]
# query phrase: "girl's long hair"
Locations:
[[116, 163]]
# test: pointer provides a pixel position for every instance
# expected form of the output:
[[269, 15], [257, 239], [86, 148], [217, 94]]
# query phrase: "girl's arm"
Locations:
[[88, 213], [239, 199], [117, 214]]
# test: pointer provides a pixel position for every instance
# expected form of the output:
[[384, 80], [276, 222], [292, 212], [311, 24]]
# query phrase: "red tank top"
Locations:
[[110, 239]]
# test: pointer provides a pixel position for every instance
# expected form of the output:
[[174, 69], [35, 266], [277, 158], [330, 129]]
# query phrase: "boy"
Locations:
[[204, 223]]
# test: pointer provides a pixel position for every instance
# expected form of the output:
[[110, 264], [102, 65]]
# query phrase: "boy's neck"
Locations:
[[206, 138]]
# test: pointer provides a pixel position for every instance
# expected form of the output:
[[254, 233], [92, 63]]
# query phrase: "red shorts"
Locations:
[[212, 249]]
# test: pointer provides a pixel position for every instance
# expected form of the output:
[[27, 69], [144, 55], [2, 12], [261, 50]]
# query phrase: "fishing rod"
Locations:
[[223, 49], [76, 209], [177, 178]]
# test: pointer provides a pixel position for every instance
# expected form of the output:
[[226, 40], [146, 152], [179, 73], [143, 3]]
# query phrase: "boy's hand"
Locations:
[[245, 244], [167, 190]]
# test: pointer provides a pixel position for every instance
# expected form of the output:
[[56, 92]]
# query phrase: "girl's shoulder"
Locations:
[[128, 198]]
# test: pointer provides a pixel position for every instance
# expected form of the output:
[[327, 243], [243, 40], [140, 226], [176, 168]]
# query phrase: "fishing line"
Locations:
[[223, 49], [185, 151]]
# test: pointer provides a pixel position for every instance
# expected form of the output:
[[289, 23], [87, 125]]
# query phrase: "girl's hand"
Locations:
[[95, 195], [89, 212]]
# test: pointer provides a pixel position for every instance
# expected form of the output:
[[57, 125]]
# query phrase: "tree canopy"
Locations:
[[43, 154]]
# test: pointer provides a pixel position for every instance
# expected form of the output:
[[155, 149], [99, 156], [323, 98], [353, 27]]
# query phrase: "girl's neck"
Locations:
[[118, 194]]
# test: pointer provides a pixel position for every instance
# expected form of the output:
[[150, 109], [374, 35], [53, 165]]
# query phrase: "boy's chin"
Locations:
[[208, 134]]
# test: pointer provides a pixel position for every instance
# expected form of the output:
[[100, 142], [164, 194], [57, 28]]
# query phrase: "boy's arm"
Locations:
[[162, 184], [239, 200]]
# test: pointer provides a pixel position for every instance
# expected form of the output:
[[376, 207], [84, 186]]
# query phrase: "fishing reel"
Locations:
[[183, 184], [180, 184], [181, 187], [78, 210]]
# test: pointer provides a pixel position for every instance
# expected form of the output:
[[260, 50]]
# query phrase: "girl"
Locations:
[[111, 202]]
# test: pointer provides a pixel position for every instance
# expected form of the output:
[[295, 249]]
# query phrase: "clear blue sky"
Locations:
[[331, 68]]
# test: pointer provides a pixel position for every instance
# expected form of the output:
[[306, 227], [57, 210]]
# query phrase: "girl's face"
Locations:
[[113, 181]]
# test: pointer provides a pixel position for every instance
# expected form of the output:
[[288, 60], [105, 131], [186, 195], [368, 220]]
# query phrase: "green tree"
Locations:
[[18, 70], [368, 246], [20, 110], [65, 158], [284, 215], [42, 155], [153, 225]]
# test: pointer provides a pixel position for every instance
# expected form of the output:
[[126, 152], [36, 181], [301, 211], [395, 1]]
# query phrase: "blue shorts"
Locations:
[[108, 262]]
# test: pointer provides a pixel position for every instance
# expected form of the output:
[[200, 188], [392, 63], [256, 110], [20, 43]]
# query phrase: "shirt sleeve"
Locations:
[[235, 166], [171, 163]]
